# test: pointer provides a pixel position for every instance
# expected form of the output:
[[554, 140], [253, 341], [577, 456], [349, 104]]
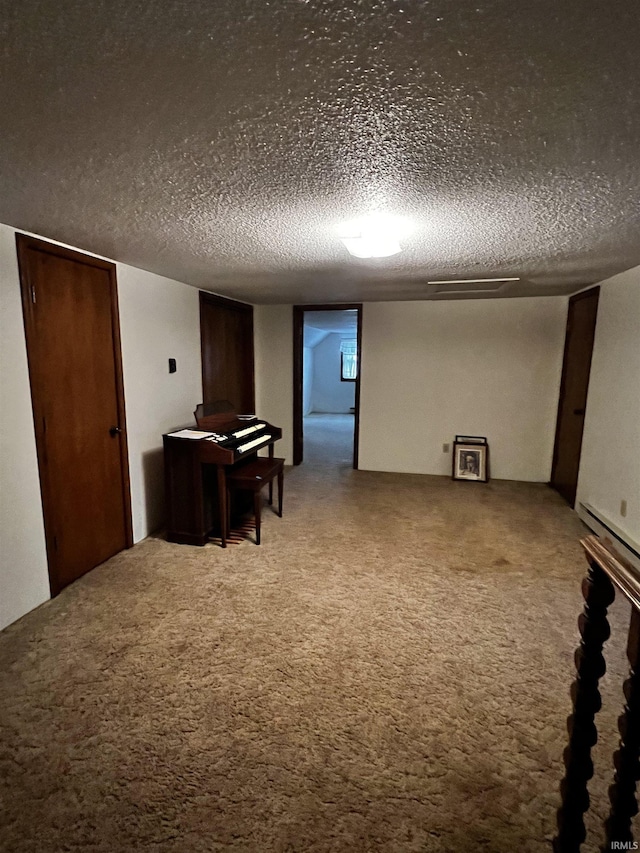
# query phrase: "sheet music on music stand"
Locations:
[[194, 434]]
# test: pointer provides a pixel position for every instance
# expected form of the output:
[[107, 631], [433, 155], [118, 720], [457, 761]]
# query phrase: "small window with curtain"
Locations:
[[348, 361]]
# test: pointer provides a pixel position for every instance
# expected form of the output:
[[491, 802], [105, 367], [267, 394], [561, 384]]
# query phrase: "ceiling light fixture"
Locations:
[[375, 235], [471, 280]]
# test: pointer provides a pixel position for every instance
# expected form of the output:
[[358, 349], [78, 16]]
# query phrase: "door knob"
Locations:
[[114, 430]]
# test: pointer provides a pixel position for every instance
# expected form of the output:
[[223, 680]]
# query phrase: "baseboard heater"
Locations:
[[605, 529]]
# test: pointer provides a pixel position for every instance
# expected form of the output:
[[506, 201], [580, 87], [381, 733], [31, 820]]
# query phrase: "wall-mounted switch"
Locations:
[[445, 448], [623, 509], [172, 365]]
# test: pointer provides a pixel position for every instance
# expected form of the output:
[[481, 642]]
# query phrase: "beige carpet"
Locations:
[[389, 671], [328, 440]]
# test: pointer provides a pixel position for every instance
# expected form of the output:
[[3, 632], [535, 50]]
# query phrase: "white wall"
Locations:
[[434, 369], [158, 319], [329, 393], [431, 370], [610, 460], [273, 337], [24, 580], [307, 379]]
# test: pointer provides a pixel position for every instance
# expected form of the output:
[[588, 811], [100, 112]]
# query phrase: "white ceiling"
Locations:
[[341, 322], [221, 143], [319, 324]]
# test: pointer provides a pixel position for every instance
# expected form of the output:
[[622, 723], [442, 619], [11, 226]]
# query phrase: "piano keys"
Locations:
[[195, 471]]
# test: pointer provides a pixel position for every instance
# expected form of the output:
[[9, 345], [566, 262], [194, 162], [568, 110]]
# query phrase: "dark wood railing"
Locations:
[[608, 573]]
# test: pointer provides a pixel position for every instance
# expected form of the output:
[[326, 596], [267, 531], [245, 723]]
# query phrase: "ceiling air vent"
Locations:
[[466, 286], [454, 287]]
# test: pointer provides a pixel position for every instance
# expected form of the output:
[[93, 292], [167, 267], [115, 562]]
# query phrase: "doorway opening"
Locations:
[[327, 343]]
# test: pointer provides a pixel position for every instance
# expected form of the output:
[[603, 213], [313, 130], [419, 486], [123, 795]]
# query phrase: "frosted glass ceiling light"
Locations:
[[371, 247], [376, 235]]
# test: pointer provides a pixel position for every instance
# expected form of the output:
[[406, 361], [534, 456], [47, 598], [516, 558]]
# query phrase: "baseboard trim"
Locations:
[[606, 529]]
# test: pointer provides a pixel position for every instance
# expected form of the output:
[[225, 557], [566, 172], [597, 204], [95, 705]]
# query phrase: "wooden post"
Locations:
[[598, 593], [622, 794]]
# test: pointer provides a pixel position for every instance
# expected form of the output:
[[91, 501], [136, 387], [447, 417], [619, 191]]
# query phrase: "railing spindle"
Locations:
[[598, 593]]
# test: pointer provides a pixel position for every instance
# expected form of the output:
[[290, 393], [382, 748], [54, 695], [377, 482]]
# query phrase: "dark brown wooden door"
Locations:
[[226, 331], [73, 344], [578, 348]]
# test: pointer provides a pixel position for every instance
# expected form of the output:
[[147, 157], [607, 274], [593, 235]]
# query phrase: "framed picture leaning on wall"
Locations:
[[470, 459], [470, 439]]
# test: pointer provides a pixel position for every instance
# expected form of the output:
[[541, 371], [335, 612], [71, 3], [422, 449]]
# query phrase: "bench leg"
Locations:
[[270, 492], [280, 490], [222, 500], [257, 500]]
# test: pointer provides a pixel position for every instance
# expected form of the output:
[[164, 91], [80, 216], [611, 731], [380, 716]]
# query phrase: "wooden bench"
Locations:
[[253, 476]]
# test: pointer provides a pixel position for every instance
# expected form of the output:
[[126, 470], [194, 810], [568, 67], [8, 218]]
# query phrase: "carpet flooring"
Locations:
[[328, 440], [388, 671]]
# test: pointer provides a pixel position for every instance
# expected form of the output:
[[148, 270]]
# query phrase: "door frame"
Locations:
[[590, 293], [25, 243], [298, 355]]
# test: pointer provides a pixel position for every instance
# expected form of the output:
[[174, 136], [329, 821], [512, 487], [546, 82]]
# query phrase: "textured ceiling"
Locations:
[[343, 322], [220, 143], [319, 324]]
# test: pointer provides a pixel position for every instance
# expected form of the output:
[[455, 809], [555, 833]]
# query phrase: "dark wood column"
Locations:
[[609, 573], [622, 793], [598, 594]]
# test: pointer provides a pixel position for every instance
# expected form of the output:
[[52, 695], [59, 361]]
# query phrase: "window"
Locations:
[[348, 361]]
